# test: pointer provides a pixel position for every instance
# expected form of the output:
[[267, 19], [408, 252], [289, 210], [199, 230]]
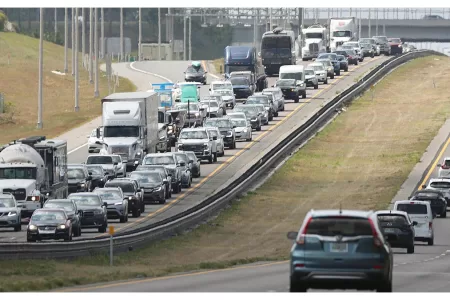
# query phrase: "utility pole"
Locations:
[[140, 35], [190, 37], [359, 24], [56, 23], [121, 34], [73, 41], [83, 36], [91, 45], [370, 26], [159, 33], [96, 93], [384, 22], [102, 32], [76, 61], [66, 40], [184, 38], [41, 64], [270, 19], [376, 21]]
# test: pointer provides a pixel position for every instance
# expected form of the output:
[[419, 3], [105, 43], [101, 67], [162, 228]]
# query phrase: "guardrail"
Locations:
[[211, 205]]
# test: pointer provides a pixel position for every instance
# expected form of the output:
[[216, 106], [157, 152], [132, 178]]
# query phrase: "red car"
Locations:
[[396, 45]]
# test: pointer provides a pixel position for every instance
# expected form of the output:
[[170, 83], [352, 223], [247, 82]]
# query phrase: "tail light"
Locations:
[[299, 265], [430, 225], [444, 166], [301, 237], [376, 240]]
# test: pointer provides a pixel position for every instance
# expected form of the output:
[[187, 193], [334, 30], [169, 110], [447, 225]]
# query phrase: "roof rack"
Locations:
[[277, 30]]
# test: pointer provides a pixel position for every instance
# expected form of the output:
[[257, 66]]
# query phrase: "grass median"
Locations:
[[19, 85], [218, 65], [359, 161]]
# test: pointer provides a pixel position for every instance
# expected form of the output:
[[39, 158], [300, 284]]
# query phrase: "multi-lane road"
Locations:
[[236, 161]]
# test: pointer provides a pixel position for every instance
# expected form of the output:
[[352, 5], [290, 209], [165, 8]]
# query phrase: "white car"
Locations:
[[419, 211], [357, 49], [444, 168], [227, 96], [121, 165], [243, 129], [236, 115], [215, 132], [92, 138], [321, 73]]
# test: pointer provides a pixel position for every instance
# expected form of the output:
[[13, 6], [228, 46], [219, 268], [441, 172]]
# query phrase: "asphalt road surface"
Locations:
[[234, 162]]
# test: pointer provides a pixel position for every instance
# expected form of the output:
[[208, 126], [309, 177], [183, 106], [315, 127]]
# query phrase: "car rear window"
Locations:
[[339, 226], [440, 185], [392, 220], [413, 209], [426, 195]]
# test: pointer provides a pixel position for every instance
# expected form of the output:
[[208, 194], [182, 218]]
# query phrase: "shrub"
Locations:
[[3, 19]]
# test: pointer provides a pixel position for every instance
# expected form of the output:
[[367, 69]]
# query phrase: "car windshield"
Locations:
[[109, 194], [7, 202], [257, 100], [192, 156], [48, 216], [392, 220], [85, 200], [239, 122], [350, 52], [395, 41], [159, 169], [66, 205], [413, 209], [121, 131], [194, 70], [425, 195], [440, 185], [221, 86], [181, 157], [217, 123], [148, 177], [381, 39], [194, 135], [210, 103], [346, 33], [317, 68], [192, 106], [341, 57], [126, 187], [326, 63], [99, 160], [239, 81], [95, 170], [310, 72], [294, 75], [213, 132], [75, 174], [327, 56], [17, 173], [369, 41], [285, 82], [244, 109], [259, 107], [159, 160], [339, 226]]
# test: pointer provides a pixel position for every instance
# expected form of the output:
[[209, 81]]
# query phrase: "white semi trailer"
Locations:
[[342, 30]]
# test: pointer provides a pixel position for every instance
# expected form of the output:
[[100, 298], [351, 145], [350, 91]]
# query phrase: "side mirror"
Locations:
[[182, 163], [105, 204], [439, 165], [202, 109], [313, 59], [90, 173], [234, 126], [139, 190], [209, 89], [206, 72], [191, 161], [97, 132], [89, 177], [414, 223], [105, 173], [98, 142], [409, 198], [424, 186], [292, 235], [214, 138], [165, 180]]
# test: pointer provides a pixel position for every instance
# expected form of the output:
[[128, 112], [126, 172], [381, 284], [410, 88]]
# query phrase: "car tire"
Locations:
[[210, 159], [258, 128], [122, 219], [143, 205], [136, 212], [103, 228], [297, 99], [162, 201], [304, 95], [385, 287], [346, 69], [297, 288], [215, 157], [77, 232], [18, 227], [356, 63], [444, 214], [271, 118], [316, 86], [68, 237], [431, 241], [410, 249], [31, 240], [338, 73]]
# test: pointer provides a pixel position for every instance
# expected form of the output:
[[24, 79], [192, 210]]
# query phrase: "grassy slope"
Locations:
[[19, 84], [358, 161]]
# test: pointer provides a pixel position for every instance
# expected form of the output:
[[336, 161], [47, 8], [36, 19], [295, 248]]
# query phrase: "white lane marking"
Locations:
[[77, 148], [422, 261], [149, 73]]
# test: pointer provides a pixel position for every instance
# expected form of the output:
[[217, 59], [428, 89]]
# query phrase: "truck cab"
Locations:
[[341, 30], [277, 49], [315, 41]]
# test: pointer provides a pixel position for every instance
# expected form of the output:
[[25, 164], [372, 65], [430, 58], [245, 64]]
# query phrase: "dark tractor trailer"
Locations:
[[242, 59], [277, 49]]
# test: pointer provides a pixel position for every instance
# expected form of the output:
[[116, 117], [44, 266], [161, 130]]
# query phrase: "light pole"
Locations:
[[140, 35], [190, 37], [41, 63], [121, 34], [184, 38], [159, 33], [76, 60], [56, 22], [91, 41], [96, 93], [66, 39], [370, 26], [376, 21], [102, 33], [83, 36], [73, 41]]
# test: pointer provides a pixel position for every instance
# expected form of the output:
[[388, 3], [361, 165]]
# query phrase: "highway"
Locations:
[[235, 162], [427, 270]]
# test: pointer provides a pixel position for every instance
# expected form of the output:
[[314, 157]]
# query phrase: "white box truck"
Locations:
[[315, 41], [342, 30]]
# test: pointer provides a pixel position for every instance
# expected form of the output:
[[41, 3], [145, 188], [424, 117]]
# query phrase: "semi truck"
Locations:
[[277, 49], [33, 170], [342, 30], [130, 126], [314, 40], [244, 58]]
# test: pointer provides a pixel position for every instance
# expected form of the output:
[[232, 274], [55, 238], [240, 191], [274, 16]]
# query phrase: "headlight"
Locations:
[[35, 198], [229, 133], [12, 214], [158, 189], [130, 198], [180, 145], [267, 108], [62, 226], [205, 146], [118, 203], [82, 185], [98, 212], [302, 84], [253, 119], [197, 114], [32, 227], [245, 130]]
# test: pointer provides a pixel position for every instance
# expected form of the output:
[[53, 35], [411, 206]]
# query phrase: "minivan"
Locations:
[[419, 211], [296, 72]]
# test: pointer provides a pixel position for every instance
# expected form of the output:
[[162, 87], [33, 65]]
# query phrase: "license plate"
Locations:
[[339, 247], [46, 231], [389, 230]]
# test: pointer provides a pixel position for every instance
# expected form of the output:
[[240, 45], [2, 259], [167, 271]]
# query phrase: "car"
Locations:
[[251, 77], [195, 115], [121, 165], [321, 73], [220, 85], [352, 57], [432, 17], [436, 198], [442, 185], [200, 141], [263, 112], [444, 168], [242, 87], [92, 210], [236, 115], [382, 41], [367, 49], [311, 78], [78, 178], [219, 98], [214, 132], [186, 176], [164, 173], [195, 73], [194, 163], [340, 249], [264, 100], [168, 161], [419, 211], [396, 45], [131, 190], [276, 95], [252, 113], [397, 228], [49, 224], [328, 66], [106, 161], [290, 89], [93, 146], [226, 130], [98, 175], [297, 73], [116, 201], [243, 129], [227, 95], [334, 61], [71, 210], [357, 49], [212, 108], [373, 43], [343, 62], [10, 212], [153, 185]]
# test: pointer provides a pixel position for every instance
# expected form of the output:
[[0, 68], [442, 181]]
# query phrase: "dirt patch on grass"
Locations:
[[218, 64], [19, 84], [359, 161]]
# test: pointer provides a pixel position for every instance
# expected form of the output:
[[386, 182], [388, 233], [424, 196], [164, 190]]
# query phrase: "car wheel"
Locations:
[[346, 69], [332, 76], [102, 229], [410, 249], [385, 287], [258, 128], [30, 240], [297, 288], [76, 232], [143, 204], [162, 201], [316, 86], [122, 219], [372, 56], [210, 159], [18, 227], [338, 73], [136, 212], [297, 99], [356, 63], [431, 241], [79, 230], [304, 95], [271, 118], [69, 236], [215, 157]]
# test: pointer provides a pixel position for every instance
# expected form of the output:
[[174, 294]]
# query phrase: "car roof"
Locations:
[[76, 165], [84, 194], [59, 200], [292, 68], [191, 129], [391, 212], [271, 89], [146, 171], [412, 202], [108, 188], [337, 212], [220, 82], [211, 128], [51, 209], [440, 179]]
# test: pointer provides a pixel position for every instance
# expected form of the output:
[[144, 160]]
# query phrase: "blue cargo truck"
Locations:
[[244, 58]]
